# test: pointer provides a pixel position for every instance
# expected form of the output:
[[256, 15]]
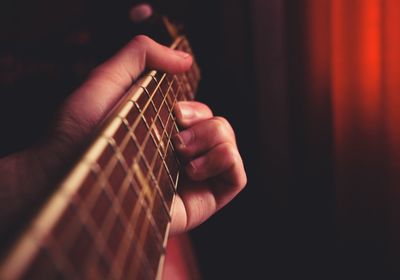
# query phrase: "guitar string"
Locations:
[[173, 123], [140, 199], [155, 157], [83, 222], [142, 116], [141, 154], [170, 119], [160, 142], [163, 133]]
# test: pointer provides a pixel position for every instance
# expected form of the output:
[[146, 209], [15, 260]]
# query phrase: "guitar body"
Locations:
[[180, 262], [109, 218]]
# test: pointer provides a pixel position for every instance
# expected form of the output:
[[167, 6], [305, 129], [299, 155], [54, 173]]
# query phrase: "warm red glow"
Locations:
[[362, 54], [391, 77]]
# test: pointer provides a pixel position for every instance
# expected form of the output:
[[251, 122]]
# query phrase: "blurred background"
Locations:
[[312, 88]]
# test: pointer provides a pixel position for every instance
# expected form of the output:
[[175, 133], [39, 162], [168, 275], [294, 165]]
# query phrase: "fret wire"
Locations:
[[148, 126], [169, 143], [71, 232], [157, 110], [127, 237], [112, 214], [140, 242], [154, 158], [106, 226], [163, 156], [153, 161], [166, 150], [102, 232], [136, 160], [142, 112], [154, 107], [129, 225], [169, 139], [112, 221], [107, 190], [126, 240], [157, 115], [138, 119], [147, 136], [141, 148], [100, 241], [144, 158], [85, 220], [151, 176], [134, 217], [151, 167], [134, 269], [153, 199]]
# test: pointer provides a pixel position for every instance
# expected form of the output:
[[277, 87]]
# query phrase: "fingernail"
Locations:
[[182, 139], [186, 112], [182, 54]]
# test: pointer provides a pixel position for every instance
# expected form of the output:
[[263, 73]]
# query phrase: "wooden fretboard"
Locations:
[[110, 217]]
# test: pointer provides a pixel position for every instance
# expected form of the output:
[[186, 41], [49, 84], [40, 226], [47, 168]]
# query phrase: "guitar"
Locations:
[[110, 216]]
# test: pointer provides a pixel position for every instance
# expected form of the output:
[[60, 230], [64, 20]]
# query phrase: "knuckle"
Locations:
[[233, 158], [140, 40], [138, 46], [222, 120], [221, 128], [229, 153]]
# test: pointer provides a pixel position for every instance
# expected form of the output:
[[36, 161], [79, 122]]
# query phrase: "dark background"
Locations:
[[254, 64], [282, 226]]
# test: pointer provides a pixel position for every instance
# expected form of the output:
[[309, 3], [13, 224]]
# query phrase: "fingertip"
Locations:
[[184, 112], [189, 113], [185, 61]]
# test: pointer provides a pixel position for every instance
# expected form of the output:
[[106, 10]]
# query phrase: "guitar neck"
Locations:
[[110, 217]]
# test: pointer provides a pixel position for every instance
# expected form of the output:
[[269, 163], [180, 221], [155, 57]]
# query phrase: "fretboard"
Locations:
[[110, 217]]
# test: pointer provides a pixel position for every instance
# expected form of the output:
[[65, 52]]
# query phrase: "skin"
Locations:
[[214, 169]]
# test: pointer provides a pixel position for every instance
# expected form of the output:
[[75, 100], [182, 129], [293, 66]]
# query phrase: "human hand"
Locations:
[[219, 176], [27, 176], [214, 172]]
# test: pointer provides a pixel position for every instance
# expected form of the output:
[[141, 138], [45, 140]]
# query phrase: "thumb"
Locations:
[[109, 81]]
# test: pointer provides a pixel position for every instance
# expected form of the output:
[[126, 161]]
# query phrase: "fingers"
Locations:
[[108, 82], [140, 53], [203, 136], [214, 172], [219, 159], [190, 113]]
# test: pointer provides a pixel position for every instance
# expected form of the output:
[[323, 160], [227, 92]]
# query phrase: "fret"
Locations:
[[157, 162], [149, 127]]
